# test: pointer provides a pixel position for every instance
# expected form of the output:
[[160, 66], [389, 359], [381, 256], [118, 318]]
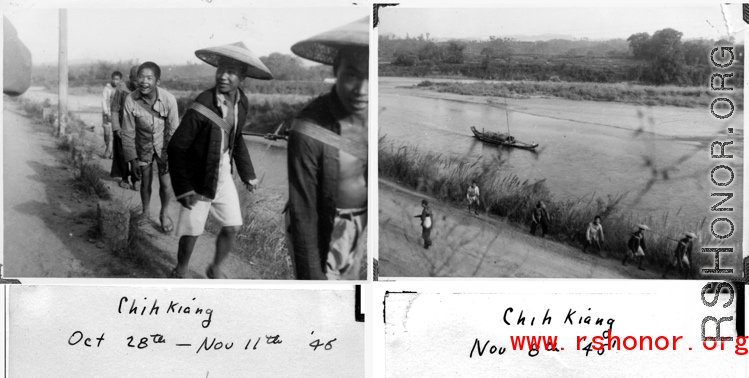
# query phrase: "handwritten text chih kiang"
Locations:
[[152, 308]]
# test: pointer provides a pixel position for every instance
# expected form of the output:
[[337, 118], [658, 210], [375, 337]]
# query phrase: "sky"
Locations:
[[171, 36], [705, 21]]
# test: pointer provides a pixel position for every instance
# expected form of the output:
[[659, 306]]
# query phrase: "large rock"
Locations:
[[114, 222]]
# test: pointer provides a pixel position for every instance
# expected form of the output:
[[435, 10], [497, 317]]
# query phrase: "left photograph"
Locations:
[[186, 143]]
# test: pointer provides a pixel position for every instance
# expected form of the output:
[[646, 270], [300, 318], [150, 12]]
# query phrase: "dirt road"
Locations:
[[48, 224], [468, 245]]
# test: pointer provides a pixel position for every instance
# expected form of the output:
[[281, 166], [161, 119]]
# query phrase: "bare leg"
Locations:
[[108, 142], [224, 244], [186, 246], [146, 173], [164, 193]]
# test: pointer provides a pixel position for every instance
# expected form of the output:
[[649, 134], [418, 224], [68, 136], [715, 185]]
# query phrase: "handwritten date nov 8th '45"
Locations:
[[208, 344]]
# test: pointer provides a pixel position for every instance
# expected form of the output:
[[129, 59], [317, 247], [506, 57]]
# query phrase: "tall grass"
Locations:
[[689, 97], [139, 249], [447, 178], [262, 239], [35, 109], [89, 179]]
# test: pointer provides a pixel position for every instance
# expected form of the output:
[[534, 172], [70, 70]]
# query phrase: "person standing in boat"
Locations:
[[540, 217], [594, 235], [426, 223], [473, 197], [682, 256], [636, 246]]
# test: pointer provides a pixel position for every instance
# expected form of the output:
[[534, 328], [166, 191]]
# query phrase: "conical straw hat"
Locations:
[[239, 52], [691, 235], [324, 47]]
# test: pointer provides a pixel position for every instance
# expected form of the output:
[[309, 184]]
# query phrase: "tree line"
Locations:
[[188, 76], [660, 59]]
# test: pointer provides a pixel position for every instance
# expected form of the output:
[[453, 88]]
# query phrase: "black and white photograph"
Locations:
[[570, 142], [186, 142]]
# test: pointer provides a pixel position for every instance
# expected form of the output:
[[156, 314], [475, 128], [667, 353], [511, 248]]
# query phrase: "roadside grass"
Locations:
[[262, 239], [87, 175], [667, 95], [139, 248], [88, 178], [504, 195]]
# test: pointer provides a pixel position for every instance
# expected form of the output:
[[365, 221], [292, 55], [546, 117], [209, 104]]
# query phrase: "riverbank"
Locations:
[[505, 196], [648, 95], [467, 245]]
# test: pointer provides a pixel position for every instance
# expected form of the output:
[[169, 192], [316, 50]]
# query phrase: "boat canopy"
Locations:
[[498, 136]]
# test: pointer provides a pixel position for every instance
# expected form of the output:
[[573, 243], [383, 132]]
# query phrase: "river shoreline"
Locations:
[[588, 149]]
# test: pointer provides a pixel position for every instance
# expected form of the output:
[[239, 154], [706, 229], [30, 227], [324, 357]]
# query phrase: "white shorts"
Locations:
[[224, 209]]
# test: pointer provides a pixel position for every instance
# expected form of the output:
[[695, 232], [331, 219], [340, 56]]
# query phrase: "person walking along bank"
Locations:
[[426, 223]]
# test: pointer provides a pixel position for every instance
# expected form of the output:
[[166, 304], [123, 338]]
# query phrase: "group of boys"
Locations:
[[680, 259], [196, 156]]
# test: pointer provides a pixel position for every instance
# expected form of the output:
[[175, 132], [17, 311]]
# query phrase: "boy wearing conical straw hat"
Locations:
[[636, 246], [327, 161], [681, 259], [203, 152]]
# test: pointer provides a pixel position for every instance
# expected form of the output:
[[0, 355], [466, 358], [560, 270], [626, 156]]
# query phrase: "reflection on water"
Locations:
[[576, 158]]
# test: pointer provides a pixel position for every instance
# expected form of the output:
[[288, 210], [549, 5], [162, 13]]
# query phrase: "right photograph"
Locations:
[[568, 142]]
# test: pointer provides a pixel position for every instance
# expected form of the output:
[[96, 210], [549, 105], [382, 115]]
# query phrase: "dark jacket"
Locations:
[[313, 183], [195, 149], [684, 247], [118, 105], [426, 212], [637, 239], [540, 215]]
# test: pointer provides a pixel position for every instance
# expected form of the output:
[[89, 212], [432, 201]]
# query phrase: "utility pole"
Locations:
[[62, 90]]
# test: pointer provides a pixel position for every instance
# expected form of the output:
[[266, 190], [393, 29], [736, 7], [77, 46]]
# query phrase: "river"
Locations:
[[586, 147]]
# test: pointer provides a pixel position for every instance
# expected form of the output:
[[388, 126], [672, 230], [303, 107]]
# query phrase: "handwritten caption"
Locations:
[[148, 308]]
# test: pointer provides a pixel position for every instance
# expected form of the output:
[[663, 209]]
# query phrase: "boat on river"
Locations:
[[502, 139]]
